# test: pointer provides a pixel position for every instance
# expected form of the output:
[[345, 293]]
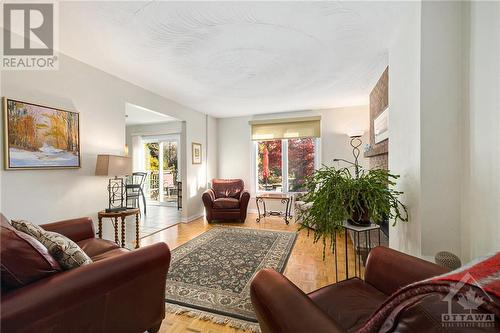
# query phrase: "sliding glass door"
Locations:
[[162, 164]]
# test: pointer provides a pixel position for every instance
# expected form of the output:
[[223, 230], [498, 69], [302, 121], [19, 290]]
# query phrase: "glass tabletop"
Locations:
[[358, 228], [273, 196]]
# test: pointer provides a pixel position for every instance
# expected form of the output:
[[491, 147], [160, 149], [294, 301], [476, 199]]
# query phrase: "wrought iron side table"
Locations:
[[357, 230], [285, 199]]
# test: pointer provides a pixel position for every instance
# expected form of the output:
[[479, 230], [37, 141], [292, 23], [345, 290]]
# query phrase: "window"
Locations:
[[283, 165], [301, 162]]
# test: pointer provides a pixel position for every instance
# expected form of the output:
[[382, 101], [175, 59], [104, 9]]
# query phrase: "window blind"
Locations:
[[289, 128]]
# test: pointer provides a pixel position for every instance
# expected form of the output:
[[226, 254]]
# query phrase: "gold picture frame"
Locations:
[[40, 137], [196, 153]]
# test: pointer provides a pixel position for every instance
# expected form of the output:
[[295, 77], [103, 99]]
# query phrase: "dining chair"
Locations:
[[134, 189]]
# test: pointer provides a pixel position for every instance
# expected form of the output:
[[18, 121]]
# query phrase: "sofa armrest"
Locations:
[[281, 307], [75, 229], [389, 270], [107, 292]]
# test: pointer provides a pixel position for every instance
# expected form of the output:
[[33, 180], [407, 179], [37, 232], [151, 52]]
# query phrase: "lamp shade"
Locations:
[[113, 165], [355, 133]]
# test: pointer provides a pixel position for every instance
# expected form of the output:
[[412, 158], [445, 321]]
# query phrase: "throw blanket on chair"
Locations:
[[479, 277]]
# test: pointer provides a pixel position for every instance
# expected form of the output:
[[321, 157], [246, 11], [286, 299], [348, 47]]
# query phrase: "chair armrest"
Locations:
[[208, 198], [75, 229], [111, 290], [281, 307], [389, 270], [244, 198]]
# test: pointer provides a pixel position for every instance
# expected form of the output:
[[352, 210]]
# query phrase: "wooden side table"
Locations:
[[114, 218]]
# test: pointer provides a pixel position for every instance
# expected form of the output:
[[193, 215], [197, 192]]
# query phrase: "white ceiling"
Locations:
[[237, 58], [137, 115]]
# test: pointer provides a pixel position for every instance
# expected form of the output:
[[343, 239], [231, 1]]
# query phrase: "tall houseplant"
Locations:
[[336, 196]]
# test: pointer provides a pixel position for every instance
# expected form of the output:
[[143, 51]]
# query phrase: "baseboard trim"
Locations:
[[191, 218]]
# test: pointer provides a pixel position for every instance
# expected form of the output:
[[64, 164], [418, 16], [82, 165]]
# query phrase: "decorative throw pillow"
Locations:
[[23, 259], [67, 253]]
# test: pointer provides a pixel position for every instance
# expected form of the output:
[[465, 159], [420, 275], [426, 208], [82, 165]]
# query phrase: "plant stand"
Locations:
[[357, 230]]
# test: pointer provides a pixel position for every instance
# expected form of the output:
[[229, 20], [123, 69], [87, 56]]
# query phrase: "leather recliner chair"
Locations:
[[121, 291], [226, 200], [345, 306]]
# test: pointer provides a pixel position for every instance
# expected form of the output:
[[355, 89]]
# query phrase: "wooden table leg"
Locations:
[[99, 227], [116, 230], [137, 230], [123, 231]]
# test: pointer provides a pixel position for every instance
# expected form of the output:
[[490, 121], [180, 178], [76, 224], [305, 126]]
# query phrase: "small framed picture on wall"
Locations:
[[196, 152]]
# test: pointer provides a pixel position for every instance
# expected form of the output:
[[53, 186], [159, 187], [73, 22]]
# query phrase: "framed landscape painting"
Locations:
[[40, 137]]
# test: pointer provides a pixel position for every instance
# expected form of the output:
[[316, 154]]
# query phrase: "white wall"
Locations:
[[171, 127], [236, 148], [444, 90], [441, 106], [212, 149], [481, 197], [404, 120], [42, 196], [335, 124]]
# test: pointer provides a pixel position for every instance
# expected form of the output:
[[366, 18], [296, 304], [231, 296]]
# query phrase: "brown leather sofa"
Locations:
[[226, 200], [281, 307], [121, 291]]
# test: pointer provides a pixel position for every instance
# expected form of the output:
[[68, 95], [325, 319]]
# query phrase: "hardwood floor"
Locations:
[[306, 267]]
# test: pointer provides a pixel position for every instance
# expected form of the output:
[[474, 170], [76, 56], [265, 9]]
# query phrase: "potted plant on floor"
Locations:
[[335, 196]]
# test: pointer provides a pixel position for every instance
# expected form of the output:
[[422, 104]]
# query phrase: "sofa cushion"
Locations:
[[23, 259], [226, 203], [110, 254], [350, 303], [67, 253], [96, 246]]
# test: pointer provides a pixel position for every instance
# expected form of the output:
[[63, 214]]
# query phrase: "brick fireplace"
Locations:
[[378, 154]]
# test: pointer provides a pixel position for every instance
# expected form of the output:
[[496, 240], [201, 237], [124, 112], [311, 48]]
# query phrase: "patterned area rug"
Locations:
[[213, 271]]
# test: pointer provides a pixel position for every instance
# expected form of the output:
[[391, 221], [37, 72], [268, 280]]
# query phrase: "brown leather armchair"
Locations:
[[121, 291], [226, 200], [345, 306]]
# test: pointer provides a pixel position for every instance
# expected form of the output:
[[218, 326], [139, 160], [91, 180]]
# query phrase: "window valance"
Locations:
[[287, 128]]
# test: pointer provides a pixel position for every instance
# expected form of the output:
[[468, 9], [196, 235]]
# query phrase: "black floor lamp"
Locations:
[[355, 143]]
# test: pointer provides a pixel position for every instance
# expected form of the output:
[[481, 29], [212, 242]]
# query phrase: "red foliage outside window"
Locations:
[[300, 164]]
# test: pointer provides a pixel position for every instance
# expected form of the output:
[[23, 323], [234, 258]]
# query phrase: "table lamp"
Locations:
[[117, 167]]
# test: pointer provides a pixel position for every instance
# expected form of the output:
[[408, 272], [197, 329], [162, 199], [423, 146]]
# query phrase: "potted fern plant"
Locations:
[[335, 196]]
